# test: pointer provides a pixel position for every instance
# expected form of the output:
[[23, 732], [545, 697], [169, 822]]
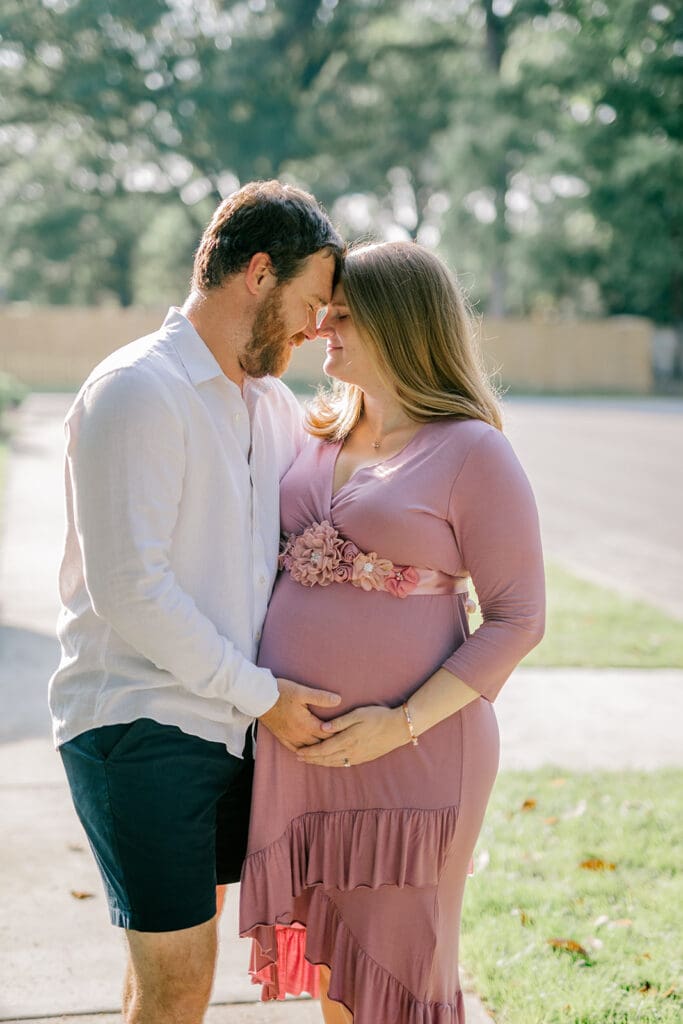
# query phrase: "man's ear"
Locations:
[[259, 273]]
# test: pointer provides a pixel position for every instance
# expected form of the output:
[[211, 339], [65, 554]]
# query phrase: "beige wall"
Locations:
[[56, 347]]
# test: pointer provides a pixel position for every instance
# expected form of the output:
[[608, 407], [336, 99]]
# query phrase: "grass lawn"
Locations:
[[549, 941], [591, 626]]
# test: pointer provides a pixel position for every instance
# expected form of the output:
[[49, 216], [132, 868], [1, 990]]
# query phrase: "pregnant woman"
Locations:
[[359, 846]]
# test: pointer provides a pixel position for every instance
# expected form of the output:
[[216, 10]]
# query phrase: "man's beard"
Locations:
[[268, 350]]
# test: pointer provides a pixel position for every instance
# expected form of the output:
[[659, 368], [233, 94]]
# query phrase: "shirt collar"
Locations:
[[195, 355], [198, 359]]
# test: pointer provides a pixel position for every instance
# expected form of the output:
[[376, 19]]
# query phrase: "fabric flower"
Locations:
[[349, 552], [370, 571], [342, 573], [402, 580], [315, 554]]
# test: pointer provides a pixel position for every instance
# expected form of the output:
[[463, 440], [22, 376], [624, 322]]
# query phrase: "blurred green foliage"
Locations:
[[536, 143], [12, 393]]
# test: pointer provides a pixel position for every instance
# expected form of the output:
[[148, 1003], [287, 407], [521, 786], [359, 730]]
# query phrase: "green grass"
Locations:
[[593, 627], [627, 921]]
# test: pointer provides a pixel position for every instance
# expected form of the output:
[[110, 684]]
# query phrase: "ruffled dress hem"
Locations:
[[341, 850], [357, 981]]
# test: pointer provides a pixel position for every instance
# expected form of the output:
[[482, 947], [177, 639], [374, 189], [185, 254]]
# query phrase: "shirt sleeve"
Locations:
[[493, 515], [126, 458]]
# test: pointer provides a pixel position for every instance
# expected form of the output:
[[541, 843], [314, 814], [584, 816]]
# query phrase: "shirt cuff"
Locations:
[[254, 691]]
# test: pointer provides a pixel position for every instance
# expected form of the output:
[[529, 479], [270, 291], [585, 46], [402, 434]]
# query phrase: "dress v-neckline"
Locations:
[[337, 446]]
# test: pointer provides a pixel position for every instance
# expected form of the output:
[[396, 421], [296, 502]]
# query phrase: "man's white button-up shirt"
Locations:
[[172, 491]]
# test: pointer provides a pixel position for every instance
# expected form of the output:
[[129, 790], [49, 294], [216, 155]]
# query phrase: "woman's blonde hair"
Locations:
[[410, 312]]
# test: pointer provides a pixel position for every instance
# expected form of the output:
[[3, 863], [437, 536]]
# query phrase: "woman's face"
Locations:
[[347, 356]]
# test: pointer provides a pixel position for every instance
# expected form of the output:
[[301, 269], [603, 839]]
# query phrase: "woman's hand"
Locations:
[[359, 736]]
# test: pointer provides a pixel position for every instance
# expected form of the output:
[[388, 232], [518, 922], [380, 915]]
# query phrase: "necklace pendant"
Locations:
[[376, 444]]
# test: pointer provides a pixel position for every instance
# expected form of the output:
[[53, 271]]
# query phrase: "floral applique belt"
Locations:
[[320, 556]]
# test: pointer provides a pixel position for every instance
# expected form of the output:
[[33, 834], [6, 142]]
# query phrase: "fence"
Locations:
[[56, 347]]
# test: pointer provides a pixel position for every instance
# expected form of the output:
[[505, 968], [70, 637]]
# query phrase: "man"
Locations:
[[175, 447]]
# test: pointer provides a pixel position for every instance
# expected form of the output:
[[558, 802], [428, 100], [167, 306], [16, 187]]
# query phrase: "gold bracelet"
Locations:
[[409, 720]]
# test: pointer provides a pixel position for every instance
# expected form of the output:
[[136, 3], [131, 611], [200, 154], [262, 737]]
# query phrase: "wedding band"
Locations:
[[347, 763]]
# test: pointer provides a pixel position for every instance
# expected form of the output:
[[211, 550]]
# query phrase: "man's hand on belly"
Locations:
[[290, 719]]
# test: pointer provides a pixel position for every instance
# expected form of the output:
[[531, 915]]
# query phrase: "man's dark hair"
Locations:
[[264, 216]]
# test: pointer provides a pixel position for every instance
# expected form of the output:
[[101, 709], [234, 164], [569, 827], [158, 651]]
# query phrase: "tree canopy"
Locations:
[[536, 143]]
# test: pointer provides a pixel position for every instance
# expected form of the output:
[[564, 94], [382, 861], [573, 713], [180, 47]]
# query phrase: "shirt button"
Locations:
[[237, 417], [258, 634], [262, 580]]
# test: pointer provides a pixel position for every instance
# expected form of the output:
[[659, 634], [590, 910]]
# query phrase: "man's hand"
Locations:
[[290, 719]]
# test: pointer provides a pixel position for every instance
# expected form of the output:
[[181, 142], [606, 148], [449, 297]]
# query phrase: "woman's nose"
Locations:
[[324, 327]]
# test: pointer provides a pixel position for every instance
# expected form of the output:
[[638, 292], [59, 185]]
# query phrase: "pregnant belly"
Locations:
[[368, 647]]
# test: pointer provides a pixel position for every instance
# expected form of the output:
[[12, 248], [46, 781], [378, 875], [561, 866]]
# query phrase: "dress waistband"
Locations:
[[320, 556]]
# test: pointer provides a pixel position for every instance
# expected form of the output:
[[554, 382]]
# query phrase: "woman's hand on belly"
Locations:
[[359, 736]]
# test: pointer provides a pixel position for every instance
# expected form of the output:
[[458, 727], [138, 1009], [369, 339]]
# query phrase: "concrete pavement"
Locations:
[[58, 955], [607, 478]]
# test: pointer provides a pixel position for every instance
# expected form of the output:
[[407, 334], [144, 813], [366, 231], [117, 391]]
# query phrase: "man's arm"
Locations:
[[126, 457]]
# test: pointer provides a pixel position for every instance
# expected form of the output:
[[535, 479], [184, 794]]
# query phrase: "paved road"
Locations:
[[608, 477], [607, 474]]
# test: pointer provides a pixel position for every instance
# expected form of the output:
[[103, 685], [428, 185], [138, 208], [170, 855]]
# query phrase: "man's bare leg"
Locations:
[[128, 988], [333, 1012], [171, 974], [129, 979]]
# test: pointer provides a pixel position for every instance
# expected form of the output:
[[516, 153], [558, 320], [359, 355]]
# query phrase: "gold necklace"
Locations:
[[376, 444]]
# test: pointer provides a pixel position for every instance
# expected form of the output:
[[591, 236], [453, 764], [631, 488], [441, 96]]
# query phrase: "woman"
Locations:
[[359, 846]]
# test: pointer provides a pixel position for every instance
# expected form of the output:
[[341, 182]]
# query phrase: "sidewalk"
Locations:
[[58, 954]]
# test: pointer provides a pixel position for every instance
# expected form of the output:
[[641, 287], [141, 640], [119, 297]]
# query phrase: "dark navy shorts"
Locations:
[[166, 815]]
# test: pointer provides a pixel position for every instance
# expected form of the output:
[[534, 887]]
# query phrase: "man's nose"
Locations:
[[310, 330]]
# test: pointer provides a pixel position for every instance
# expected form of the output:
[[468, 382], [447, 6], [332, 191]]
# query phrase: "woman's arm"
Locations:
[[370, 732]]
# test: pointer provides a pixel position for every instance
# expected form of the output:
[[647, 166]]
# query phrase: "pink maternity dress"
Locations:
[[363, 868]]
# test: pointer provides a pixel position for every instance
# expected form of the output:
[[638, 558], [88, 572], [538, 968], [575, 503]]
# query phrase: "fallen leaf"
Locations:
[[78, 895], [597, 864], [646, 987], [528, 805], [669, 992], [644, 956], [569, 946], [552, 820], [557, 782], [524, 918], [622, 922]]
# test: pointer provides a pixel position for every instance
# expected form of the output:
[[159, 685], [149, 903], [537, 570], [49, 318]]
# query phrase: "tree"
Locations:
[[537, 142]]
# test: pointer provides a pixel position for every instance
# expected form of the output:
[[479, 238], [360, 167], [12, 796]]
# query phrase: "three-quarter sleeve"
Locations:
[[495, 522]]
